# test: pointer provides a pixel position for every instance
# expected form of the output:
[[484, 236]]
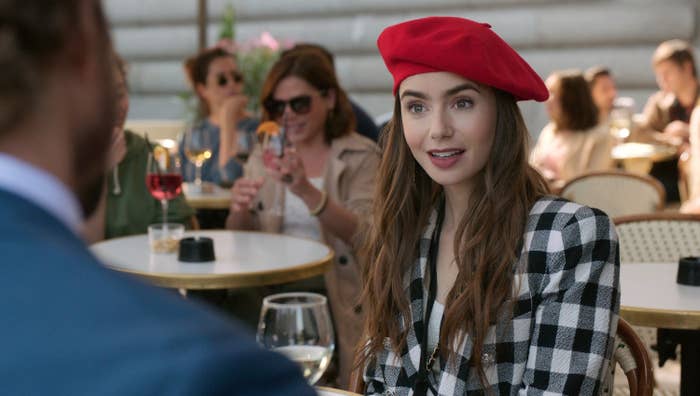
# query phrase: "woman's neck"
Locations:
[[214, 119], [456, 204]]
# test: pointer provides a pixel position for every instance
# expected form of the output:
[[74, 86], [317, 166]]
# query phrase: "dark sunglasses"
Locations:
[[222, 79], [299, 104]]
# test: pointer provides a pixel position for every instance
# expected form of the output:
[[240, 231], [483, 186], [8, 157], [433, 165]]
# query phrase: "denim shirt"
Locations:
[[211, 171]]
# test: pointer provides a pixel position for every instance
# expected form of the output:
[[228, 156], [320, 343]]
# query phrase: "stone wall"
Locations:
[[156, 35]]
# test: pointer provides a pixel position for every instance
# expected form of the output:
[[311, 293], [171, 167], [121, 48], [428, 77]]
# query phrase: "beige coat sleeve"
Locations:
[[654, 115], [600, 151], [358, 183]]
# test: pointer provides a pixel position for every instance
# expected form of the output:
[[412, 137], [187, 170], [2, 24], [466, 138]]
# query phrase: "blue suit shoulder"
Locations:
[[74, 327]]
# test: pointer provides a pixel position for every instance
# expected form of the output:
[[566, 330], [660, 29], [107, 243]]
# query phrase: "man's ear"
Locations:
[[89, 39]]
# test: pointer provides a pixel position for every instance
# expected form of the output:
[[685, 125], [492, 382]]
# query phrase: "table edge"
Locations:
[[337, 391], [209, 204], [231, 281], [661, 318]]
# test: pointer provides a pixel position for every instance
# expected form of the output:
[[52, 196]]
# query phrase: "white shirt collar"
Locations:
[[41, 188]]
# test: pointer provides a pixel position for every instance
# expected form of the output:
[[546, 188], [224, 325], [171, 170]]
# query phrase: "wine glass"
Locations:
[[621, 118], [246, 141], [163, 177], [298, 326], [199, 146]]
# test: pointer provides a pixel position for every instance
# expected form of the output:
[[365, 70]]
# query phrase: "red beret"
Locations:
[[461, 46]]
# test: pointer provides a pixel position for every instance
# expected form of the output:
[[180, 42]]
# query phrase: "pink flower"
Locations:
[[268, 41]]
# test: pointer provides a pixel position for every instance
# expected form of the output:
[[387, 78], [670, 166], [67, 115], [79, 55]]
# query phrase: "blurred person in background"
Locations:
[[214, 76], [365, 123], [667, 112], [692, 205], [603, 91], [326, 175], [78, 328], [573, 142], [127, 207]]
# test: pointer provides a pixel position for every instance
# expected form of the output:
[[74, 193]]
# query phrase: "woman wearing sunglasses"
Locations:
[[214, 76], [476, 281], [327, 171]]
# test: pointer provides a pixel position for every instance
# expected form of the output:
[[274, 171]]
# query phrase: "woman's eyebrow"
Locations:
[[449, 92]]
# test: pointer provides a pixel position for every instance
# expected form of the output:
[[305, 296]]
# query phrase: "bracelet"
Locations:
[[321, 205]]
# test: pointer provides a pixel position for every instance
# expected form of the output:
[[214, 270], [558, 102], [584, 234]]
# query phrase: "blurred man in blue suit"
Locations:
[[69, 326]]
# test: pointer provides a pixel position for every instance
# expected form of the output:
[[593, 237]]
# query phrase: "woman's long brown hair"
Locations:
[[485, 247]]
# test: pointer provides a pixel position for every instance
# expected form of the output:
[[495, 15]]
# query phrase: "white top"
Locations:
[[42, 189], [653, 286], [297, 220], [434, 325], [238, 253]]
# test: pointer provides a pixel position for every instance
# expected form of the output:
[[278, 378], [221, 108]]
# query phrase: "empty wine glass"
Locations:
[[621, 118], [298, 326], [199, 145], [163, 177]]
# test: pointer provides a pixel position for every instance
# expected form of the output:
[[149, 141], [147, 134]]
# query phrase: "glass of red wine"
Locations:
[[163, 177]]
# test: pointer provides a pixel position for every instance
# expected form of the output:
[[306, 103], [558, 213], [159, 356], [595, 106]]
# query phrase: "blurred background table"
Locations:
[[651, 297], [323, 391], [640, 157], [243, 259], [211, 196]]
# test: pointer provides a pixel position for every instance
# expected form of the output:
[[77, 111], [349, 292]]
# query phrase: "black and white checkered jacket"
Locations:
[[560, 337]]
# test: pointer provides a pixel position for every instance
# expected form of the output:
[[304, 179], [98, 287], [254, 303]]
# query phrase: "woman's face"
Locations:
[[604, 92], [449, 125], [553, 104], [301, 108], [223, 81]]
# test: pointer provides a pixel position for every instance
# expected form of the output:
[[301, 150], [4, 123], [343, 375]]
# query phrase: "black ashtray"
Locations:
[[196, 250], [689, 271]]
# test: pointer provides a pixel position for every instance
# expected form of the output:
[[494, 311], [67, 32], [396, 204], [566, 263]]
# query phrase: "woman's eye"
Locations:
[[463, 103], [416, 107]]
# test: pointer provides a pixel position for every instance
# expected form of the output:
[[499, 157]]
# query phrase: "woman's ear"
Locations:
[[201, 90], [330, 99]]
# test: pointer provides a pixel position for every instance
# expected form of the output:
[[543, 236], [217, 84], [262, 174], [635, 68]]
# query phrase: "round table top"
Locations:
[[243, 259], [651, 297], [654, 152], [212, 196]]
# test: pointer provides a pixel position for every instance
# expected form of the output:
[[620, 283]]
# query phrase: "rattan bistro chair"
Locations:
[[630, 353], [617, 193], [658, 237]]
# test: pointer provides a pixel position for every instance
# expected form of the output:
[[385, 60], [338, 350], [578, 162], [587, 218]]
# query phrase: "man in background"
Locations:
[[70, 326], [667, 112]]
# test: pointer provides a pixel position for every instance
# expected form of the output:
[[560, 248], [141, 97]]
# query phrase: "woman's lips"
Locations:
[[446, 158]]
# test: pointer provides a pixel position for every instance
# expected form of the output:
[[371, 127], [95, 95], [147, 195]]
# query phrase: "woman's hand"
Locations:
[[290, 170], [232, 111], [243, 193], [235, 108]]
